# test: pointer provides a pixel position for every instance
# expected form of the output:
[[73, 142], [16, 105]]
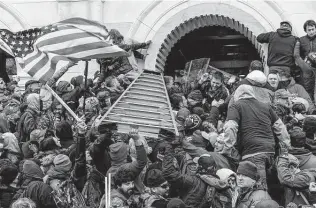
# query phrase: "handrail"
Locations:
[[170, 109], [118, 100]]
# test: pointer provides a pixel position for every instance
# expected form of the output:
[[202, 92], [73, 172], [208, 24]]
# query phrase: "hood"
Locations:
[[31, 169], [284, 32], [257, 78], [10, 143], [292, 82], [118, 153], [244, 92], [33, 102]]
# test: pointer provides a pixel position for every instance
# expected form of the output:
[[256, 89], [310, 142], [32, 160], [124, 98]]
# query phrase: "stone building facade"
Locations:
[[163, 21]]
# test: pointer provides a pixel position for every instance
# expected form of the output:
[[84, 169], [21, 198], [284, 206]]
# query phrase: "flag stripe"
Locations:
[[58, 48], [82, 47], [93, 30], [32, 57], [98, 53], [38, 65], [41, 73], [63, 38], [57, 34], [29, 66]]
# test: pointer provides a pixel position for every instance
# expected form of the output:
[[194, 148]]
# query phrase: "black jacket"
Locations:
[[281, 47], [308, 44]]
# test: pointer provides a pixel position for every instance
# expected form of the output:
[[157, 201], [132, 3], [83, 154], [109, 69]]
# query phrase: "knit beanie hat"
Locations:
[[118, 152], [267, 204], [198, 111], [248, 169], [31, 169], [155, 178], [176, 203], [182, 114], [196, 95], [37, 135], [62, 163], [309, 125], [298, 137], [225, 173]]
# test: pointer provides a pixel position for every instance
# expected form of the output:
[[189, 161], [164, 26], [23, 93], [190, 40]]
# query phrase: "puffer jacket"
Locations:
[[192, 189], [281, 47], [308, 44]]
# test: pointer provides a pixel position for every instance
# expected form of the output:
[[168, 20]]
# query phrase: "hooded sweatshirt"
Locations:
[[28, 121], [258, 82], [254, 120], [281, 47]]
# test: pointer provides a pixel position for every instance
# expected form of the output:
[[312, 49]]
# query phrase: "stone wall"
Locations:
[[151, 20]]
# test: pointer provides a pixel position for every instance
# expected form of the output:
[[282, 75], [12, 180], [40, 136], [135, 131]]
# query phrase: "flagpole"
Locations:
[[62, 103], [106, 192], [109, 190], [85, 86]]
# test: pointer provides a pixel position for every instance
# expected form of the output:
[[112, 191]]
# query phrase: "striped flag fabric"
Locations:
[[41, 52]]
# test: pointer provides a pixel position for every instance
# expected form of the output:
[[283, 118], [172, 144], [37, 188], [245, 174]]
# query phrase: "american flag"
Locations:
[[39, 50]]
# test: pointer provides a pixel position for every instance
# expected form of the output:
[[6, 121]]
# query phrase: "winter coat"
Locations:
[[305, 157], [296, 184], [281, 47], [93, 189], [251, 197], [308, 44], [308, 72], [40, 193], [136, 166], [6, 195], [261, 90], [192, 189], [27, 124], [220, 160], [300, 91], [118, 200], [4, 123]]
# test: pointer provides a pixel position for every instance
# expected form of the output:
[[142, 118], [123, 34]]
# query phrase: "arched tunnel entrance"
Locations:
[[227, 49], [229, 45]]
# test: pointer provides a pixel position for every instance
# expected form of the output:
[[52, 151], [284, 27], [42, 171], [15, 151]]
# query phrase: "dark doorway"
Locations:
[[227, 49]]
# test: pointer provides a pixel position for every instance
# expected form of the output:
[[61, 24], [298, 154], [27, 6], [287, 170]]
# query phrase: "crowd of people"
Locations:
[[242, 143]]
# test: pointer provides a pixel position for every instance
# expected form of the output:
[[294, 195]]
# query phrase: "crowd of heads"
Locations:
[[49, 159]]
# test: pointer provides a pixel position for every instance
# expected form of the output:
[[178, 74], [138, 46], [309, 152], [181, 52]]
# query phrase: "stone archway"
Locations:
[[161, 17], [199, 22], [13, 20]]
